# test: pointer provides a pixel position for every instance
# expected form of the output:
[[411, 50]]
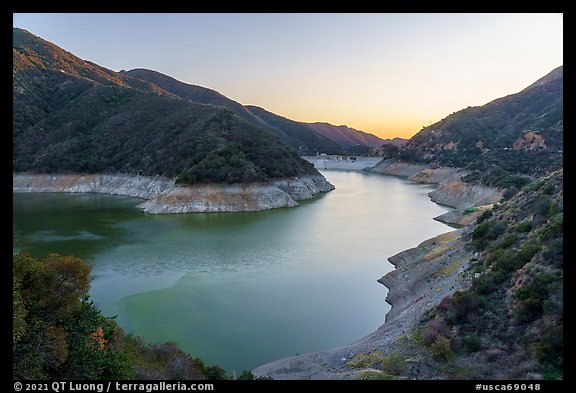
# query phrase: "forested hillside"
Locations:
[[72, 116]]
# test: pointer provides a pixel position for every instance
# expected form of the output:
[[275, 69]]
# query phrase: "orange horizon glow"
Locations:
[[397, 129], [388, 74]]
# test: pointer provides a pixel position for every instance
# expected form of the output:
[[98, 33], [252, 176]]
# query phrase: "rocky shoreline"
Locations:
[[163, 196], [468, 200], [451, 191], [423, 276]]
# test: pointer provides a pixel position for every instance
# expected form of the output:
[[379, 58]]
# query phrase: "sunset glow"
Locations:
[[387, 74]]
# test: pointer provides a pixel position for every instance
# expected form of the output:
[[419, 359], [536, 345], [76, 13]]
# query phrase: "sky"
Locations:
[[389, 74]]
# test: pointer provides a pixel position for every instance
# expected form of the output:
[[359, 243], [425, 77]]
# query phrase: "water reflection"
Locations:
[[239, 289]]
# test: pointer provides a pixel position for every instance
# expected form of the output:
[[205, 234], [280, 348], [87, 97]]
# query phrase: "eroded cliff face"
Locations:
[[451, 191], [237, 197], [304, 187], [163, 196], [462, 195], [460, 218], [424, 275], [144, 187]]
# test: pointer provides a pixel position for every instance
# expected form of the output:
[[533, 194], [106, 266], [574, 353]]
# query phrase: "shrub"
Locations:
[[246, 375], [509, 240], [528, 251], [434, 329], [535, 185], [553, 252], [549, 189], [394, 364], [486, 232], [550, 348], [441, 350], [464, 304], [555, 229], [59, 332], [531, 297], [471, 343], [512, 182], [544, 205], [524, 226], [489, 282], [215, 373], [374, 359]]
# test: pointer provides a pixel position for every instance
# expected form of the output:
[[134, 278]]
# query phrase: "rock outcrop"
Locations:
[[462, 195], [451, 191], [143, 187], [218, 198], [424, 275], [163, 196], [460, 218], [437, 175]]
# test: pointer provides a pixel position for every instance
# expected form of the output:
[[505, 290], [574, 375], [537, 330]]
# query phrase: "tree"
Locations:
[[58, 332]]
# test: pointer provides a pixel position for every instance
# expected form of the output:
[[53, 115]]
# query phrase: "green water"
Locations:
[[239, 289]]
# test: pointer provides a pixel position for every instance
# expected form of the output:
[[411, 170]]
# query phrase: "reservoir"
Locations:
[[239, 289]]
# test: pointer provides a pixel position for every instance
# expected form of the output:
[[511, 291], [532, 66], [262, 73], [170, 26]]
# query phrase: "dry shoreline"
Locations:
[[163, 196], [423, 275]]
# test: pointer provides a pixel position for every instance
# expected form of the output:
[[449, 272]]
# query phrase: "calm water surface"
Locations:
[[239, 289]]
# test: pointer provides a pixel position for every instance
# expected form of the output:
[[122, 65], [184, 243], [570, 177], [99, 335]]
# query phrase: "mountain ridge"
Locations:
[[348, 137], [190, 92], [301, 136], [483, 302], [71, 115], [304, 140], [503, 143]]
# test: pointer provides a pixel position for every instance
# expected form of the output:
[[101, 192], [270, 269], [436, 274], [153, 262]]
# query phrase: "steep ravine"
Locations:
[[163, 196]]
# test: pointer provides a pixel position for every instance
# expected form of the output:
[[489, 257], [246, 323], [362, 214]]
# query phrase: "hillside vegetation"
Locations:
[[73, 116], [58, 333], [508, 324], [203, 95], [305, 138], [300, 132], [505, 143]]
